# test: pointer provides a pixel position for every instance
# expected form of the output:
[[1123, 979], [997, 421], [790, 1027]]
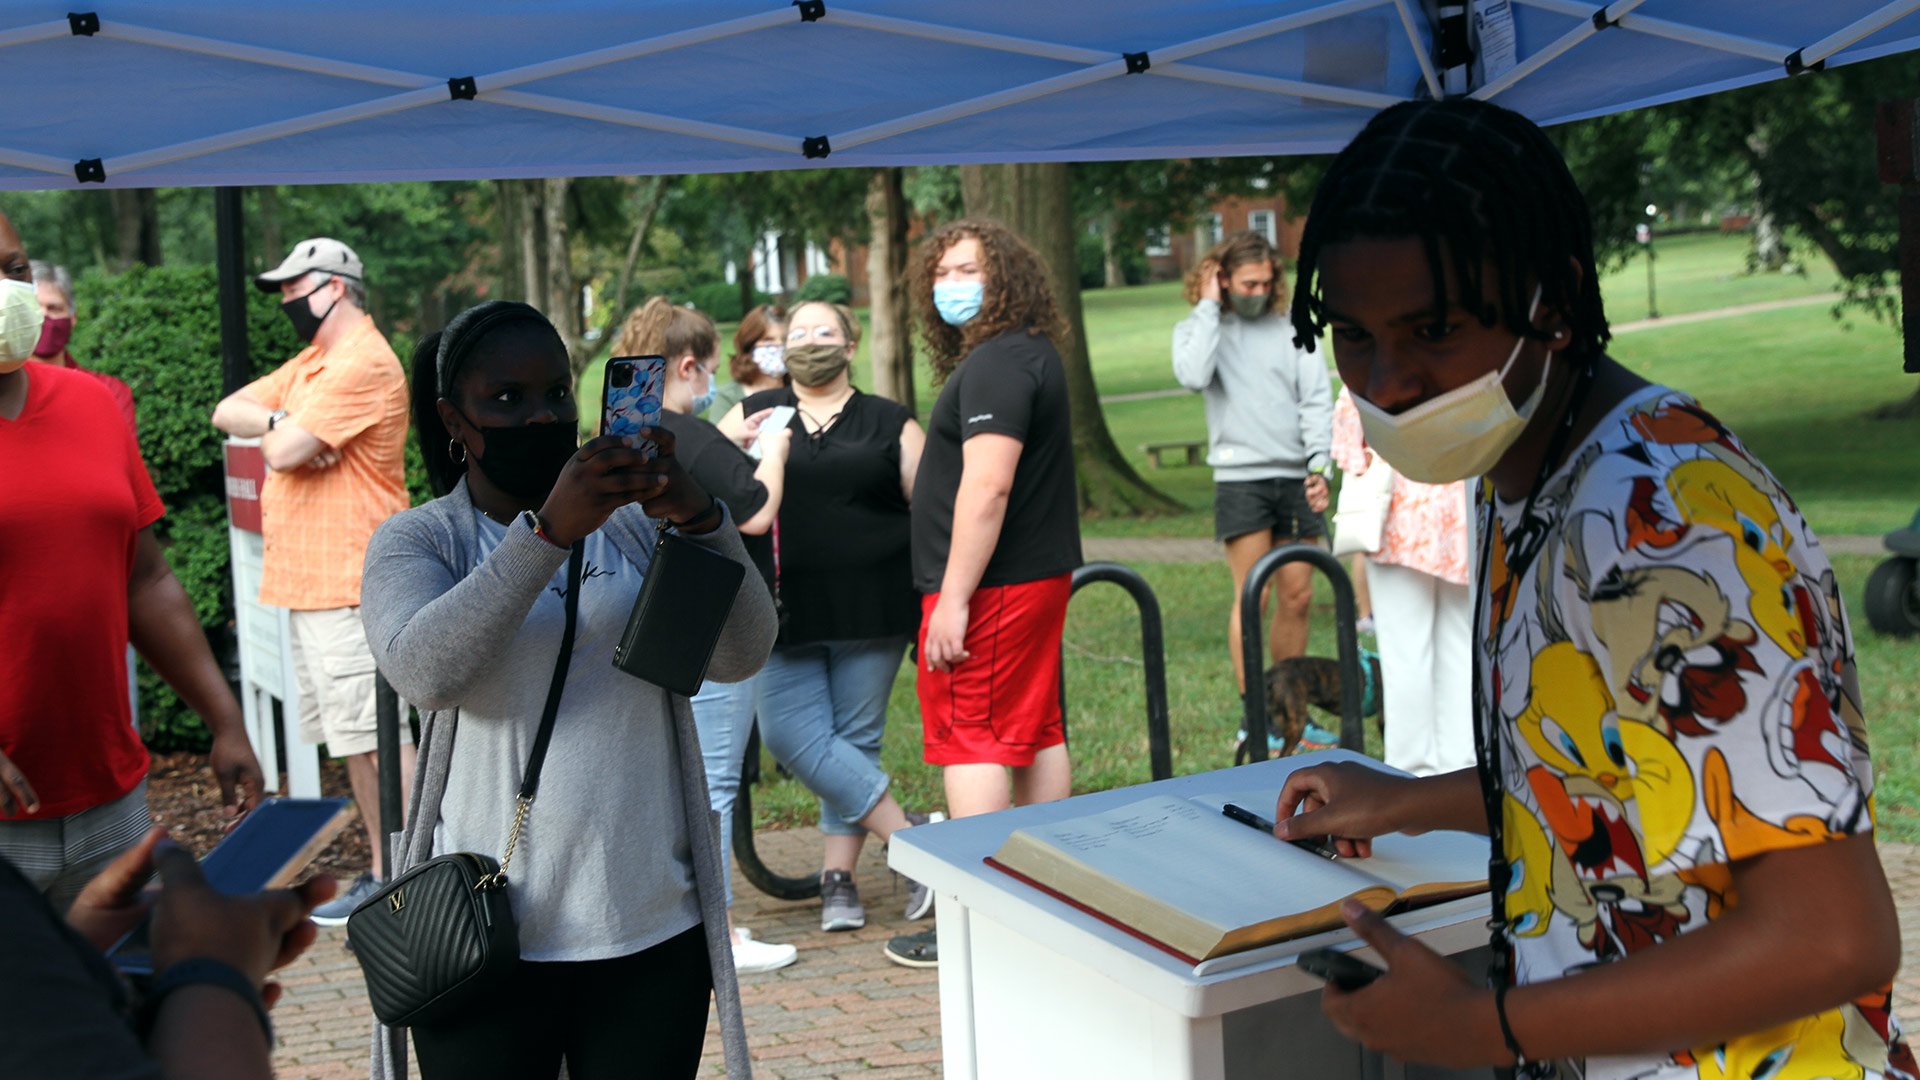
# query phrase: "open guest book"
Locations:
[[1182, 876]]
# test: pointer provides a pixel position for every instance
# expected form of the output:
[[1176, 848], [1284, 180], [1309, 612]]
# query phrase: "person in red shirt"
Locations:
[[54, 286], [83, 574]]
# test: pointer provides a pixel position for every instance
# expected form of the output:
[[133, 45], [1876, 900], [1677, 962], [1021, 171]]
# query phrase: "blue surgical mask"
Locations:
[[958, 301], [701, 403]]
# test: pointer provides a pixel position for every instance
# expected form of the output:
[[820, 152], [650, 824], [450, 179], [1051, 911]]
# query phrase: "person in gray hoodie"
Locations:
[[1269, 427], [617, 885]]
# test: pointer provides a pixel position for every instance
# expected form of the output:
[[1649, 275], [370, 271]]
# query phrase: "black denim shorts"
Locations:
[[1277, 506]]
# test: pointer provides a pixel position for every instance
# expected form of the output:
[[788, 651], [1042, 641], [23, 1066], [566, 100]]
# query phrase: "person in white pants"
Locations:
[[1422, 611]]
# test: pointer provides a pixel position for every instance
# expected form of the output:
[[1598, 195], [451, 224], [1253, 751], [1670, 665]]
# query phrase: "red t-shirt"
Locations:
[[73, 495]]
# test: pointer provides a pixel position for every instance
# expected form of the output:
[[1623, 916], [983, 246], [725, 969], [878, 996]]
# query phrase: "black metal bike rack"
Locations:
[[1353, 735], [386, 704], [1159, 744]]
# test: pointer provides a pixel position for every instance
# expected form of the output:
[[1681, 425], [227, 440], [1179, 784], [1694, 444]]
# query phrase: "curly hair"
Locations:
[[664, 327], [1234, 252], [741, 367], [1018, 296]]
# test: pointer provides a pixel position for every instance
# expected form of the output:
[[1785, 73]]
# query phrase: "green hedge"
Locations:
[[158, 329], [832, 288]]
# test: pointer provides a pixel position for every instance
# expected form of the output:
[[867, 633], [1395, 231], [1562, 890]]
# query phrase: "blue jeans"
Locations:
[[823, 708], [723, 715]]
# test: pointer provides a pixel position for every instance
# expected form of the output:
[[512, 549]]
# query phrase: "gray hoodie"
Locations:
[[1269, 402], [439, 615]]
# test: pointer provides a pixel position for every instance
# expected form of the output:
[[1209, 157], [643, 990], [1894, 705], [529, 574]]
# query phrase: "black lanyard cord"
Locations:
[[1486, 713]]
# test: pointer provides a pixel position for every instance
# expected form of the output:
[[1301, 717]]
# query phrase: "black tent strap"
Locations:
[[1137, 62], [811, 11], [1453, 48], [90, 171], [84, 24], [462, 88], [816, 146], [1601, 22]]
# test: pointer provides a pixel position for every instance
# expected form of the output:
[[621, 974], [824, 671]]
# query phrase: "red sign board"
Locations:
[[246, 475]]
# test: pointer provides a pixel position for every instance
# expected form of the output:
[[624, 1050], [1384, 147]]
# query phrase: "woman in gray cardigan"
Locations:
[[617, 882]]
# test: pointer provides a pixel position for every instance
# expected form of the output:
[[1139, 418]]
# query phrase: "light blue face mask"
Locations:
[[958, 301], [701, 403]]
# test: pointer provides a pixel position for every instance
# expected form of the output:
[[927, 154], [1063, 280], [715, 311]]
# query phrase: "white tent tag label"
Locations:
[[1493, 26]]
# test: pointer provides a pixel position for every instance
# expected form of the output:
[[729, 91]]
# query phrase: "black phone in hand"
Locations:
[[1341, 969]]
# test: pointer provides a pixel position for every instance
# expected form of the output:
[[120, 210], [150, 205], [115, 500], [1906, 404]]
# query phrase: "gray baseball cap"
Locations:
[[324, 254]]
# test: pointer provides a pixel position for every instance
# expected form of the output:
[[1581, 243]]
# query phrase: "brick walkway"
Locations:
[[843, 1011]]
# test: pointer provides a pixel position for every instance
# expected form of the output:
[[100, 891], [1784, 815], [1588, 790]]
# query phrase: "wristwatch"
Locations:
[[275, 417], [212, 973]]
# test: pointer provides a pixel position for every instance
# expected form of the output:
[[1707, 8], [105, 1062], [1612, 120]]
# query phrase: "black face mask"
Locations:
[[300, 314], [525, 460]]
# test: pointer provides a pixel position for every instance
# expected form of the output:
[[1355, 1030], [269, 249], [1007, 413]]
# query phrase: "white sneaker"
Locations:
[[751, 957]]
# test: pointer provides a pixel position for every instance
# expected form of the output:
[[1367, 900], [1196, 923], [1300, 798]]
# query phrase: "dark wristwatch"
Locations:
[[712, 511], [211, 973]]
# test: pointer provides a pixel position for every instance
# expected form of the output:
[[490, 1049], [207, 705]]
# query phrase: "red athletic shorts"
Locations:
[[1002, 705]]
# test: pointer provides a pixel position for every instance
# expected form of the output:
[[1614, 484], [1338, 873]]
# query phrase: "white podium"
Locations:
[[1033, 987]]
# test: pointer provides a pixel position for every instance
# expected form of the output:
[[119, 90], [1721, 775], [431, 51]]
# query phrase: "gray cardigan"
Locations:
[[437, 617], [1269, 402]]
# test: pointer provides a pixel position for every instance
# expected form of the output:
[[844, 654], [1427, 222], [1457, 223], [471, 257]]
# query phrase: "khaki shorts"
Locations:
[[334, 669]]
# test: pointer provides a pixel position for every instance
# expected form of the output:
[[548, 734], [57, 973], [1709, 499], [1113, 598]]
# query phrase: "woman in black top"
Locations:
[[844, 578]]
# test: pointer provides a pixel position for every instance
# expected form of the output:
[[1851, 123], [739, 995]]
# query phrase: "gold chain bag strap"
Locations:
[[434, 939]]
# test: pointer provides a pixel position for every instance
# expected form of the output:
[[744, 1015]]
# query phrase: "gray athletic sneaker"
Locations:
[[840, 902], [335, 911], [919, 897]]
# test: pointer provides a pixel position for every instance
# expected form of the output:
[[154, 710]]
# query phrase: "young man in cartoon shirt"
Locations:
[[1673, 762]]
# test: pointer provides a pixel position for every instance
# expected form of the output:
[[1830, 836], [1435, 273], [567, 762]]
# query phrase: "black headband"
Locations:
[[467, 330]]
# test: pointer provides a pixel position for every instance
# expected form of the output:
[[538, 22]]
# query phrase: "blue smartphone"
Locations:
[[270, 848], [630, 400]]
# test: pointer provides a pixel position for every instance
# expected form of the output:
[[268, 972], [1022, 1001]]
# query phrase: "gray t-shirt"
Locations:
[[604, 867]]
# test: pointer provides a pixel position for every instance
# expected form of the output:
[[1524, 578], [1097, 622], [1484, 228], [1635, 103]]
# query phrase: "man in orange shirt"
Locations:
[[332, 425]]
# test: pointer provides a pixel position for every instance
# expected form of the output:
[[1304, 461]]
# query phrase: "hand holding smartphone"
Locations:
[[268, 849], [1341, 969], [777, 418], [630, 400]]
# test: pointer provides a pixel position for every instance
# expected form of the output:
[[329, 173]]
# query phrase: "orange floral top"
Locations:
[[1426, 523]]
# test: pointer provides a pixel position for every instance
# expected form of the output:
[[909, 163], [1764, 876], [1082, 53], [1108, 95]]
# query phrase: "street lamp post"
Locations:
[[1646, 237]]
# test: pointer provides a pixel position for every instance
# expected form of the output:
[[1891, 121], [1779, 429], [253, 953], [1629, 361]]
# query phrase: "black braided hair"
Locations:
[[438, 362], [1476, 183]]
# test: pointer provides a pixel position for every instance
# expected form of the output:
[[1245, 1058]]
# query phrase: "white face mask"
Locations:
[[771, 359], [20, 319], [1458, 434]]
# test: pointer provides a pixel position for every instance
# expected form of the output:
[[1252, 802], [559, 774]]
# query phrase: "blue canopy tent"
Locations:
[[150, 93]]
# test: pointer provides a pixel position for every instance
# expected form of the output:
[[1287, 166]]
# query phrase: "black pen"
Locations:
[[1315, 844]]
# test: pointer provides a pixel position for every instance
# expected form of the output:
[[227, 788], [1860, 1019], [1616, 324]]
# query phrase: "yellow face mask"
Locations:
[[20, 319], [1458, 434]]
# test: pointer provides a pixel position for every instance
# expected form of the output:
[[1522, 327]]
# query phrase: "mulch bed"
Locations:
[[183, 795]]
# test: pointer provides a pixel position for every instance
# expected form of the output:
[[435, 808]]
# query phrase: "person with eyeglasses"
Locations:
[[844, 585]]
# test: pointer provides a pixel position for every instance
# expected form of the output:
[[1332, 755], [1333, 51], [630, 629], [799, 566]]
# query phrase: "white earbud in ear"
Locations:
[[1558, 334]]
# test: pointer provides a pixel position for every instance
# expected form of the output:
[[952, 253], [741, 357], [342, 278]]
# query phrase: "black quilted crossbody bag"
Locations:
[[435, 938]]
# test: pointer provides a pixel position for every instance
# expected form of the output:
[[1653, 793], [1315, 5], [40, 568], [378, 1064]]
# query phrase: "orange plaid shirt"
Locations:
[[317, 522]]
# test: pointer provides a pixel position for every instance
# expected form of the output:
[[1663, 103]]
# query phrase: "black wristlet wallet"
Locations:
[[684, 603]]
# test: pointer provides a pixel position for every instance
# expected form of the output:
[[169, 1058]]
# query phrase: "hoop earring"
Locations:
[[455, 443]]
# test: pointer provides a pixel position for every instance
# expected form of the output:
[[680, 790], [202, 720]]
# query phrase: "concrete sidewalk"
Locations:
[[841, 1012]]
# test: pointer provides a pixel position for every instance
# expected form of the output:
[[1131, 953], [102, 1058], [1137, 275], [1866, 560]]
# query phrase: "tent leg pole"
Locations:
[[229, 253]]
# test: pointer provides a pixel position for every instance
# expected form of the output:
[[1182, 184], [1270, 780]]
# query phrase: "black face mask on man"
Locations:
[[526, 460], [299, 312]]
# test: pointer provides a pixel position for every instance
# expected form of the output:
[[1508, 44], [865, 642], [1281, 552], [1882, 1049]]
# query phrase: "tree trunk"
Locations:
[[654, 192], [1036, 201], [563, 292], [136, 219], [1116, 270], [743, 277], [887, 294], [508, 209], [1202, 238], [1769, 248]]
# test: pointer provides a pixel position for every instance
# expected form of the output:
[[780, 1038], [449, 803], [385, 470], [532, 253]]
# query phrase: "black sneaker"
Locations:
[[921, 950]]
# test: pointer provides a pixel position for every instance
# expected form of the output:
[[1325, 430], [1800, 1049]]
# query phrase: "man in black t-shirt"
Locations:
[[996, 530]]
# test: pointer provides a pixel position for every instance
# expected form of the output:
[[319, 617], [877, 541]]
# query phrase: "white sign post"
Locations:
[[264, 634]]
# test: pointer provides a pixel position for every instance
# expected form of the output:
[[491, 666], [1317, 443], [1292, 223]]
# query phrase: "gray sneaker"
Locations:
[[919, 897], [840, 902], [335, 911]]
